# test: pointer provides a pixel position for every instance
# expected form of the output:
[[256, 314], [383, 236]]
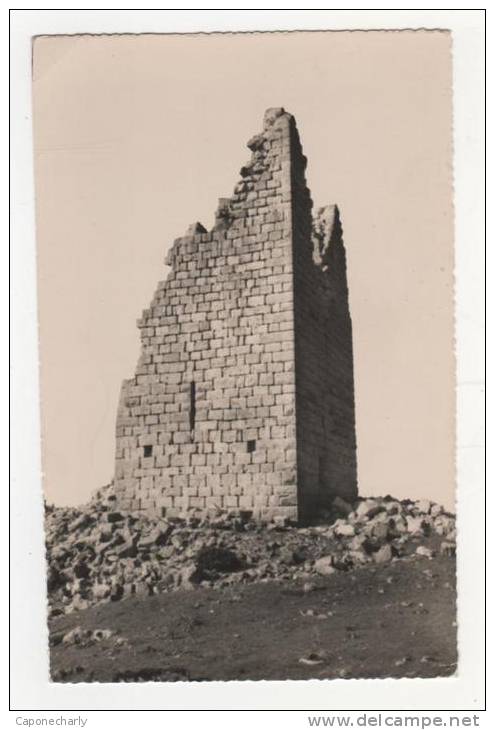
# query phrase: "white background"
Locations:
[[30, 688]]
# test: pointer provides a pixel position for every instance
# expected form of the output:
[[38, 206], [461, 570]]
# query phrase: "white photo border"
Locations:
[[30, 685]]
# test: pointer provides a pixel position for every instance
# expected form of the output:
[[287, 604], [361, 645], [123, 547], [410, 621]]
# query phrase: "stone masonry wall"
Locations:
[[251, 313], [209, 419], [325, 434], [326, 441]]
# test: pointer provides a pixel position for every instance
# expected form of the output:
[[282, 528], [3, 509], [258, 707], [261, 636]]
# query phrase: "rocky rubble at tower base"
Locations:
[[97, 554]]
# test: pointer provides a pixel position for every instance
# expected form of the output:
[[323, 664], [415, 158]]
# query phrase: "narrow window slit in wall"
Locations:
[[251, 446], [148, 450], [192, 408]]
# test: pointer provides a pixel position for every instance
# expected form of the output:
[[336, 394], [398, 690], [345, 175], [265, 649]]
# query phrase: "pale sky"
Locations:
[[136, 137]]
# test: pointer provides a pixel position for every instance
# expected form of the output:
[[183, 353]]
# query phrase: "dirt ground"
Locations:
[[393, 620]]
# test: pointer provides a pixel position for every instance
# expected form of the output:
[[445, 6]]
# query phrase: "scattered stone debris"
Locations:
[[312, 659], [85, 637], [324, 565], [97, 554], [424, 551], [447, 548]]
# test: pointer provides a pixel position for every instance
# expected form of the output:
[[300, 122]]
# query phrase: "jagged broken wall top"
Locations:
[[209, 420]]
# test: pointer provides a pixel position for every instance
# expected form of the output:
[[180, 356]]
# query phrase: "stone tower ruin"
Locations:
[[243, 396]]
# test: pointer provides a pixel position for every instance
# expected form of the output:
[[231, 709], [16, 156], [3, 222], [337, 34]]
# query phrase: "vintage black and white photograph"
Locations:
[[245, 252]]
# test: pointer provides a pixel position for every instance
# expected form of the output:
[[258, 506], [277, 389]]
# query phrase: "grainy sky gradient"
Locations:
[[136, 137]]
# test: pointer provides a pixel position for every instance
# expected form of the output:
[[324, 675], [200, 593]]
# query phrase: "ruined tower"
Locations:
[[243, 397]]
